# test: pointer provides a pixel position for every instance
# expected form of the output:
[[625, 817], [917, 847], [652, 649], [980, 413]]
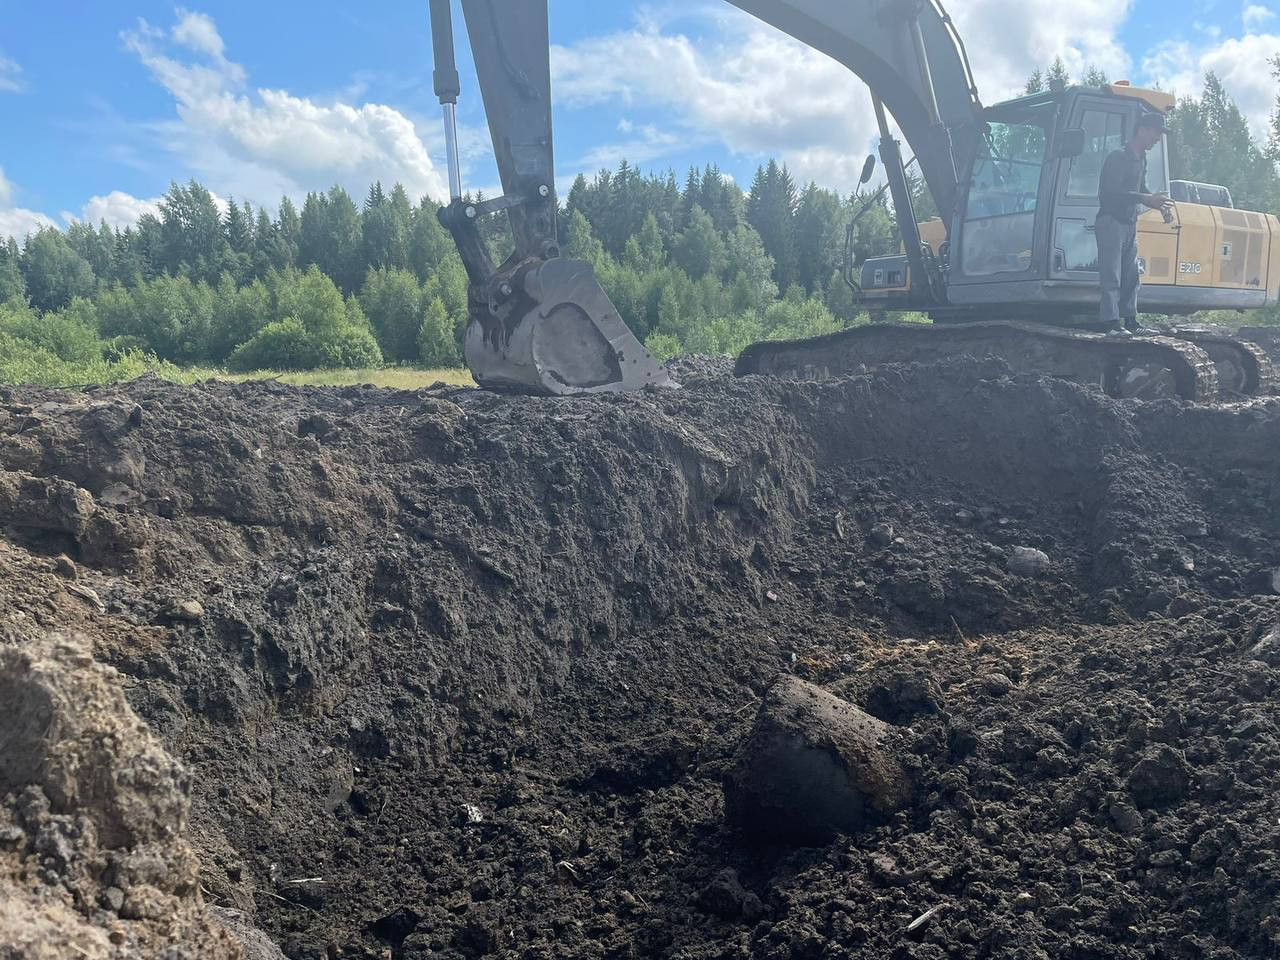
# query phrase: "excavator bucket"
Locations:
[[539, 323], [563, 336]]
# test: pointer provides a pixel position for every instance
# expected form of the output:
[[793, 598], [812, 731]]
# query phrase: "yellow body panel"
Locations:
[[1214, 247], [1273, 268], [1158, 248], [933, 232], [1157, 98]]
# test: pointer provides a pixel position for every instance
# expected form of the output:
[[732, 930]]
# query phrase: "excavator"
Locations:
[[1008, 268]]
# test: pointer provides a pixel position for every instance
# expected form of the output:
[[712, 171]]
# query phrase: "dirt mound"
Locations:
[[459, 674], [93, 859]]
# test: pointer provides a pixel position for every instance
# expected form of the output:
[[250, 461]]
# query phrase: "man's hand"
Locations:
[[1157, 201]]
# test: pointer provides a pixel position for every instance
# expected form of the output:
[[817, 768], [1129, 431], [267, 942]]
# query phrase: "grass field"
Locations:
[[399, 378]]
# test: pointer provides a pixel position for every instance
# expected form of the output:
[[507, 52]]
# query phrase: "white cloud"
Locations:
[[641, 143], [757, 91], [10, 75], [1010, 39], [1255, 15], [1241, 63], [264, 143], [117, 208], [17, 222], [753, 89]]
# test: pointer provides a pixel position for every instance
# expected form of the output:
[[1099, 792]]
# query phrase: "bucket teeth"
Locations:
[[567, 338]]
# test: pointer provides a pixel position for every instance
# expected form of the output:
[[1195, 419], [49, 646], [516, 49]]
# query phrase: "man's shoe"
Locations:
[[1118, 332], [1133, 327]]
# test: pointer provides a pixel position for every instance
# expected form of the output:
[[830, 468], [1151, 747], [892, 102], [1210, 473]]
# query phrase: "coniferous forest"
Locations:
[[694, 264]]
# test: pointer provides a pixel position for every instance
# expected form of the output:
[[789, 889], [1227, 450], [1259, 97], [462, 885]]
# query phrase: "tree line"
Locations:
[[693, 265]]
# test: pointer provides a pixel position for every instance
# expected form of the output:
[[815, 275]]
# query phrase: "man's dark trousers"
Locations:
[[1117, 269]]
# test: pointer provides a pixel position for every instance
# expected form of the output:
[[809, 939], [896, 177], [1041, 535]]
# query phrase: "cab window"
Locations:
[[999, 222], [1157, 173], [1103, 133]]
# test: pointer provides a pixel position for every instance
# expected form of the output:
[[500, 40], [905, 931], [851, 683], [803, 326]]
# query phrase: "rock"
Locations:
[[813, 766], [997, 684], [113, 899], [119, 495], [1267, 648], [315, 425], [395, 926], [885, 870], [64, 566], [919, 594], [881, 534], [1125, 816], [1028, 561], [726, 898], [190, 610], [1275, 580], [1161, 777]]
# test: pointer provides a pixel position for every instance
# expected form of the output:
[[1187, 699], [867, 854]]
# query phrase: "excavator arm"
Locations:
[[909, 53], [541, 322]]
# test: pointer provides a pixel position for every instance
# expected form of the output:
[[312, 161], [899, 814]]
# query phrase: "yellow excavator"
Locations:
[[1008, 269]]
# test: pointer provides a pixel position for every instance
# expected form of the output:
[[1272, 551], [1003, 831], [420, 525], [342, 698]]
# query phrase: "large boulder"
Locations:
[[813, 766]]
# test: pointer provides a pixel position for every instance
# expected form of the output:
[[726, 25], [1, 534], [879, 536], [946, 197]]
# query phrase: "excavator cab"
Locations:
[[1021, 239]]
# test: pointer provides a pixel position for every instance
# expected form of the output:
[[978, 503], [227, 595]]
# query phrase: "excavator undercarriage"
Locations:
[[1145, 367]]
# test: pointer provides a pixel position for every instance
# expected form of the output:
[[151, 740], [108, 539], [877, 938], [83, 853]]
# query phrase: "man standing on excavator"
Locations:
[[1122, 191]]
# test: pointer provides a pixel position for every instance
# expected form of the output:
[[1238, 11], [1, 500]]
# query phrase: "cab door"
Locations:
[[1107, 123]]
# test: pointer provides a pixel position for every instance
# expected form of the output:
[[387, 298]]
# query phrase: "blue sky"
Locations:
[[104, 104]]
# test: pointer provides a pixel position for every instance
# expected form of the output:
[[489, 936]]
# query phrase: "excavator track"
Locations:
[[1243, 368], [1138, 367]]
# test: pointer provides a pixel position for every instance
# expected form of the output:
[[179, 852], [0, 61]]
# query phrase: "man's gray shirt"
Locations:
[[1122, 185]]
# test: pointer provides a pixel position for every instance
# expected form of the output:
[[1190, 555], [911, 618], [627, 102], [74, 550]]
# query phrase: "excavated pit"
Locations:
[[455, 674]]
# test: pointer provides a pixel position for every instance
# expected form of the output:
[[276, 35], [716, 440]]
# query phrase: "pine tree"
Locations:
[[192, 232], [770, 209], [289, 227], [343, 262], [12, 286], [816, 247], [1211, 142], [312, 230], [692, 195]]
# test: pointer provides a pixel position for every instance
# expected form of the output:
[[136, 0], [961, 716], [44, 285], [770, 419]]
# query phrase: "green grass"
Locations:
[[399, 378], [35, 367]]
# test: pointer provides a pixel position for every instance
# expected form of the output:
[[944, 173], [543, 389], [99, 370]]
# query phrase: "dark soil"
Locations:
[[467, 670]]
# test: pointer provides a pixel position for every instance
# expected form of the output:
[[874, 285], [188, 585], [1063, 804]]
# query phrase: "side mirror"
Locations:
[[1069, 143], [869, 167]]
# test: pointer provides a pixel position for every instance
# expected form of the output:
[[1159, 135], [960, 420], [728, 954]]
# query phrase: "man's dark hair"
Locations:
[[1151, 121]]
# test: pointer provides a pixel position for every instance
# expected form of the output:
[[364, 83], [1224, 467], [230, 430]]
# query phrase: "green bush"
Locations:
[[664, 346], [23, 362], [437, 341], [69, 334], [319, 330], [393, 302], [172, 316]]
